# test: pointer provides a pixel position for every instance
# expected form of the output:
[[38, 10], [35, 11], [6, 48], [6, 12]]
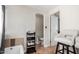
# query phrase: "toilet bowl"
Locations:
[[41, 39]]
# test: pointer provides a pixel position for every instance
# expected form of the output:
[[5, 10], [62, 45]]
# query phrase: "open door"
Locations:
[[54, 27]]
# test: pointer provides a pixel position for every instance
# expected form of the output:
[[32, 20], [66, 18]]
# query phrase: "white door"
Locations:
[[54, 29]]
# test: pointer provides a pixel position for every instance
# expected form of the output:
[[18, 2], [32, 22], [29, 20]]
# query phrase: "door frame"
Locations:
[[58, 24], [43, 24]]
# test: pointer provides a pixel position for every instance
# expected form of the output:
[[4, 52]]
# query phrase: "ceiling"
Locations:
[[43, 7]]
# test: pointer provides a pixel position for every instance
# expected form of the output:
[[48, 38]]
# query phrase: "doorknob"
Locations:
[[46, 27]]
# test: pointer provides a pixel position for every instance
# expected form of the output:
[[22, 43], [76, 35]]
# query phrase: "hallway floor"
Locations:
[[42, 50]]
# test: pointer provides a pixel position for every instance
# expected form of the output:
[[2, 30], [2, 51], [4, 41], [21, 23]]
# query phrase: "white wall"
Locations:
[[46, 30], [69, 19], [20, 19], [69, 16]]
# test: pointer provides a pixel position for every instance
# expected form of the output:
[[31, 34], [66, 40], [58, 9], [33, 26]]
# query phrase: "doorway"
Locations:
[[39, 29], [54, 27]]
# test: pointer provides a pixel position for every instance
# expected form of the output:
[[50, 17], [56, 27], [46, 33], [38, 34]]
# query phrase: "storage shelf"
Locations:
[[30, 46], [31, 42]]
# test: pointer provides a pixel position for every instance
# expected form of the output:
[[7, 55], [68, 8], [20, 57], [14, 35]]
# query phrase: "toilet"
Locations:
[[39, 41]]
